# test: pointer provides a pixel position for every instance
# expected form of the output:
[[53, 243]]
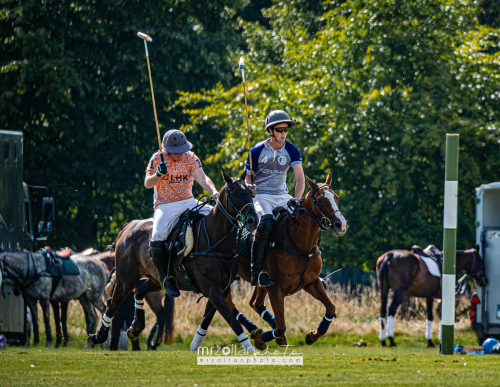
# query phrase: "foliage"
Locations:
[[75, 81], [374, 91]]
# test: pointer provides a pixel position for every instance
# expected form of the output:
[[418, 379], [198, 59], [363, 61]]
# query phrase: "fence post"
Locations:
[[449, 244]]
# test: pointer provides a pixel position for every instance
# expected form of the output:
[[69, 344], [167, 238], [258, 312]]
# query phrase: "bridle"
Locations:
[[240, 217], [326, 221]]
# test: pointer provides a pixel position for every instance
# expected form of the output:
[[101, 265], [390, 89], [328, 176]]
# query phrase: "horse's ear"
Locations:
[[226, 177], [243, 175], [311, 183], [329, 178]]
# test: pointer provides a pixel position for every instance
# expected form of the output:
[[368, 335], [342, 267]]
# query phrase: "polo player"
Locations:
[[271, 160], [172, 180]]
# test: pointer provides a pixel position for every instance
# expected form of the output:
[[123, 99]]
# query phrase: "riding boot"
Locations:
[[260, 246], [157, 252]]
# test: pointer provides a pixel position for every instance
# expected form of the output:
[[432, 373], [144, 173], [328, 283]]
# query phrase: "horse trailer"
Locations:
[[16, 232], [485, 303]]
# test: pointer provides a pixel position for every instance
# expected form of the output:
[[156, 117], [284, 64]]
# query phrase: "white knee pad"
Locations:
[[382, 328], [390, 326], [428, 330], [198, 338]]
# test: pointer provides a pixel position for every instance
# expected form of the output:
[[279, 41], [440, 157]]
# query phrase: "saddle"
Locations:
[[59, 264], [432, 252], [179, 244]]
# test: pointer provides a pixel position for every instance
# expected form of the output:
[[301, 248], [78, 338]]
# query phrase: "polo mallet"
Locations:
[[242, 67], [146, 39]]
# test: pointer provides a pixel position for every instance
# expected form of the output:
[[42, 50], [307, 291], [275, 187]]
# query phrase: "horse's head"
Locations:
[[325, 205], [475, 267], [236, 196]]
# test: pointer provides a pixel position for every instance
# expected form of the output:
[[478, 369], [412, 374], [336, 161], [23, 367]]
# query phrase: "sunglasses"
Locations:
[[281, 130]]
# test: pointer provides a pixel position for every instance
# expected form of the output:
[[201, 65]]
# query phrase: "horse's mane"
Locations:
[[113, 246]]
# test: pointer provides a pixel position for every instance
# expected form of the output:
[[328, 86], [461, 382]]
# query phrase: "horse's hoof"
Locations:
[[92, 339], [65, 343], [89, 346], [281, 341], [393, 343], [130, 334], [430, 344], [312, 337], [49, 343], [383, 343], [35, 344], [256, 336]]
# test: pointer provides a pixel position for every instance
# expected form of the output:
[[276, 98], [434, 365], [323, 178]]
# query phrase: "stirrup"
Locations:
[[170, 289], [266, 280]]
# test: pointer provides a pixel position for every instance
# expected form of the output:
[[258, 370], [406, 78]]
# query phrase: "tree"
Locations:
[[374, 91]]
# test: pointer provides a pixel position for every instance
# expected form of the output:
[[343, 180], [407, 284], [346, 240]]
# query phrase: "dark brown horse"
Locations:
[[212, 270], [294, 264], [161, 305], [406, 273]]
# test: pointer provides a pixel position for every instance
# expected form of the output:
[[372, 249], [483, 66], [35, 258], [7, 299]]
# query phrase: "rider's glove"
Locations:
[[161, 169], [293, 203], [253, 188]]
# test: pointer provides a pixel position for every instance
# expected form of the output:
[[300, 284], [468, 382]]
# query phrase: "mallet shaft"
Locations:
[[242, 67]]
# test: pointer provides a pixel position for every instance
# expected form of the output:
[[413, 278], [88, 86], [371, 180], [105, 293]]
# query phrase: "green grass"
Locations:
[[332, 360]]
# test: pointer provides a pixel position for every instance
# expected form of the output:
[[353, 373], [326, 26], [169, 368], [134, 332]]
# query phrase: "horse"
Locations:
[[29, 273], [211, 267], [294, 264], [406, 273], [161, 305]]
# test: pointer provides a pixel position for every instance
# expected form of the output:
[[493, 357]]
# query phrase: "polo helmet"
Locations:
[[174, 141], [278, 117]]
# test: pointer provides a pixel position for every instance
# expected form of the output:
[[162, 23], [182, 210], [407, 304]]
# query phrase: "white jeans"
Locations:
[[166, 215], [265, 204]]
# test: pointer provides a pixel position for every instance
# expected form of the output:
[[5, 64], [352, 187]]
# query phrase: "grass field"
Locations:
[[325, 363], [332, 360]]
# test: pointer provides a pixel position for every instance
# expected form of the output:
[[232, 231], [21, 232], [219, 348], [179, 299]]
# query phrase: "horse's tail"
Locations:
[[169, 325], [112, 247], [382, 271]]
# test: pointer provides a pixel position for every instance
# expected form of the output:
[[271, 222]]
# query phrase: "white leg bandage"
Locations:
[[440, 327], [139, 304], [382, 328], [245, 342], [106, 321], [428, 330], [390, 326], [198, 338]]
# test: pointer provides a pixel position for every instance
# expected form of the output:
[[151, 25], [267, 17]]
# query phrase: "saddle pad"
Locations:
[[243, 246], [432, 266], [70, 267]]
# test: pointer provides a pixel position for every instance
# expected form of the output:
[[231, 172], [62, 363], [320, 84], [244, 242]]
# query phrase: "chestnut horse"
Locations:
[[406, 273], [294, 264], [212, 269]]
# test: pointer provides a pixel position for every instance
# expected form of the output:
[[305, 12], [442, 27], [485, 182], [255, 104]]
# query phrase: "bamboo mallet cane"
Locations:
[[146, 39], [242, 67]]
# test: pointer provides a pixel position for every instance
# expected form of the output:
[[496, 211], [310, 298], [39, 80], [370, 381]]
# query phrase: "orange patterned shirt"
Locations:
[[177, 184]]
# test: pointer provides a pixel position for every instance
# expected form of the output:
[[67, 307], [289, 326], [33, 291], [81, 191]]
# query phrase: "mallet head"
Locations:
[[242, 63], [144, 36]]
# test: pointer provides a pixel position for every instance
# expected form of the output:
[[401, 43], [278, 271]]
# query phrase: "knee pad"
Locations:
[[266, 225]]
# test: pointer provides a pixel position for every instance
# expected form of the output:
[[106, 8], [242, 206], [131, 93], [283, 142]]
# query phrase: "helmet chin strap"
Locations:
[[272, 135]]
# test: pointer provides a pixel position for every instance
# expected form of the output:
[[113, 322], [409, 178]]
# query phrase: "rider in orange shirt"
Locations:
[[172, 180]]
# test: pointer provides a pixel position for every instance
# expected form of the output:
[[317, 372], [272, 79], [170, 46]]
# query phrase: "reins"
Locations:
[[236, 221]]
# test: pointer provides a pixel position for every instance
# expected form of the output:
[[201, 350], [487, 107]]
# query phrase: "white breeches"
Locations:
[[166, 215], [265, 204]]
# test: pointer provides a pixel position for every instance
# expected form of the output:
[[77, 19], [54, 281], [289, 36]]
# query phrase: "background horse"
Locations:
[[28, 270], [294, 266], [406, 273], [212, 272]]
